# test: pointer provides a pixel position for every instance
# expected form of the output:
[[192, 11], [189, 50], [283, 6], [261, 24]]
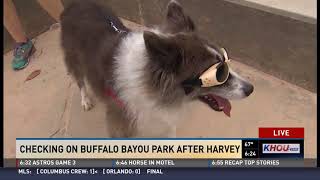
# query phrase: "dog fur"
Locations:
[[145, 68]]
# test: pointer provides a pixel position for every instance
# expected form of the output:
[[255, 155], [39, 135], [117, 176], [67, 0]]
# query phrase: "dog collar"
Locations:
[[116, 29], [110, 92]]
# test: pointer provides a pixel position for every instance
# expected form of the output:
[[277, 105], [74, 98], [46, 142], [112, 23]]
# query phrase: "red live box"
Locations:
[[281, 132]]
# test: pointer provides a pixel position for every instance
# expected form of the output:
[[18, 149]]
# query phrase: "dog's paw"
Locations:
[[86, 103]]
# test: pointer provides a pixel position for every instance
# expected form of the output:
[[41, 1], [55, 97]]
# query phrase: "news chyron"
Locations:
[[274, 147]]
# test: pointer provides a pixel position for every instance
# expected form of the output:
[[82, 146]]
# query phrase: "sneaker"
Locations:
[[21, 55]]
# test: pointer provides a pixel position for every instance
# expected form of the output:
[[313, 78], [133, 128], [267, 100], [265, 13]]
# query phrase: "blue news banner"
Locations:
[[256, 153]]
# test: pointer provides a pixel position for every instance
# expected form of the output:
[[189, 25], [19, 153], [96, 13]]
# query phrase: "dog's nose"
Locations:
[[248, 89]]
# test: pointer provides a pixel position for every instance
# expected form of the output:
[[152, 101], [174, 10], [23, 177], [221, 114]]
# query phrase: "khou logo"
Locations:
[[281, 148]]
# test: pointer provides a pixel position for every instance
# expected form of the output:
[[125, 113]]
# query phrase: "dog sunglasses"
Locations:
[[215, 75]]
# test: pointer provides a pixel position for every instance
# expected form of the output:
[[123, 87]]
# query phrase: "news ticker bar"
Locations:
[[158, 163], [159, 149]]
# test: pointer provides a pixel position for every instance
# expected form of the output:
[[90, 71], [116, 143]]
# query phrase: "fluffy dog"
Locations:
[[140, 75]]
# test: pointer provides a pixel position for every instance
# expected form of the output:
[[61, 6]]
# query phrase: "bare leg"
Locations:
[[53, 7], [12, 22]]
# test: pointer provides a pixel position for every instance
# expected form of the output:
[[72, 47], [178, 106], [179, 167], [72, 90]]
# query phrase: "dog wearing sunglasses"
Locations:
[[146, 78]]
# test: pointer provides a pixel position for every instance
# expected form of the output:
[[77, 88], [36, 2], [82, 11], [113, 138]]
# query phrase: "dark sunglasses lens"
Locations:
[[222, 72]]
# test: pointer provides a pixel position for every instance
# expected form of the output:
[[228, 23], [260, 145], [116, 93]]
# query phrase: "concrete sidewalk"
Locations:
[[49, 105]]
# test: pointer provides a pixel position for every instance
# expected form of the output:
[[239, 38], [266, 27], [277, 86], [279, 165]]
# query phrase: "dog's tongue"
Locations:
[[223, 104]]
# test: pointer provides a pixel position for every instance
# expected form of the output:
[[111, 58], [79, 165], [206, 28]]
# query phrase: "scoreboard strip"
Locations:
[[273, 148], [163, 163]]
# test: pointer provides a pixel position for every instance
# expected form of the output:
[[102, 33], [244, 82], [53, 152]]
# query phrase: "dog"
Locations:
[[141, 76]]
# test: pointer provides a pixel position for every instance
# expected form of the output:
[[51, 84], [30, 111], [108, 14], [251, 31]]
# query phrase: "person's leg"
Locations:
[[53, 7], [24, 47], [12, 22]]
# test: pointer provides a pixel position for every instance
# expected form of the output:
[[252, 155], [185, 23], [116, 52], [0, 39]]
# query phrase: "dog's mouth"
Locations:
[[217, 103]]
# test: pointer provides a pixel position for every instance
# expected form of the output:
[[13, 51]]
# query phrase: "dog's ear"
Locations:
[[162, 49], [177, 20]]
